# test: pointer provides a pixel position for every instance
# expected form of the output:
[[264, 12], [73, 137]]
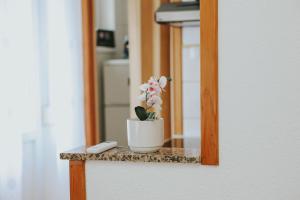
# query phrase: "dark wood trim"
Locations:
[[165, 71], [209, 82], [146, 39], [90, 74], [77, 180]]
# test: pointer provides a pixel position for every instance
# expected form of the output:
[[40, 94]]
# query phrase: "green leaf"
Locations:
[[169, 78], [151, 116], [141, 113]]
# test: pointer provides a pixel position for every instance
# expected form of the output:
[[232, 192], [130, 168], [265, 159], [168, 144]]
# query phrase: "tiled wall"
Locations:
[[191, 81]]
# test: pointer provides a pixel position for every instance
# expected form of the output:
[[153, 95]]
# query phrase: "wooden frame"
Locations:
[[209, 82], [176, 74], [146, 39], [176, 63], [77, 180], [90, 74], [165, 70]]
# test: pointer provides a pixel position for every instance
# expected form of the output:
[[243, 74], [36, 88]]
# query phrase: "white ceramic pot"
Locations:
[[145, 136]]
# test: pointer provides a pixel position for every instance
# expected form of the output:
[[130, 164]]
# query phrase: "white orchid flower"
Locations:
[[157, 100], [144, 87], [154, 90], [157, 109], [151, 95], [154, 100], [163, 82], [152, 80], [154, 87]]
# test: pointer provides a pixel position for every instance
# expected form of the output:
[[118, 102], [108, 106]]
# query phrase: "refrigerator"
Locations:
[[116, 100]]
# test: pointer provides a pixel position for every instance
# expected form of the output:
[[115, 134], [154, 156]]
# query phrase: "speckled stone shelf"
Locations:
[[164, 155]]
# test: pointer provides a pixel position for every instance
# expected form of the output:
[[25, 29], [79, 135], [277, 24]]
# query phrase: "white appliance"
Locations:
[[179, 13], [116, 99]]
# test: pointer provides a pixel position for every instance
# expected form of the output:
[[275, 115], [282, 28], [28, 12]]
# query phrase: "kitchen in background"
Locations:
[[113, 68], [112, 64]]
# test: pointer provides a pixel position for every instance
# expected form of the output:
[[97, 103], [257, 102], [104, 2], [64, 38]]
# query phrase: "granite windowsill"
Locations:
[[164, 155]]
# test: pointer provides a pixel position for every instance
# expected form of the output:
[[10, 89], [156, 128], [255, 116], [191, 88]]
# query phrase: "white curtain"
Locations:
[[41, 96]]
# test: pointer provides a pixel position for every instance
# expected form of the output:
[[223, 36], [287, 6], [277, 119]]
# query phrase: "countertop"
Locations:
[[164, 155]]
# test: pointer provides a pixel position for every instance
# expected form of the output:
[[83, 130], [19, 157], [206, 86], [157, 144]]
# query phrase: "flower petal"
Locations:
[[162, 81], [157, 109], [144, 87], [156, 100]]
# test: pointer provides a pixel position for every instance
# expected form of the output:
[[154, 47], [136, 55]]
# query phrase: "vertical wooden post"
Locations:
[[77, 180], [176, 66], [176, 73], [90, 74], [209, 82], [165, 70], [146, 39]]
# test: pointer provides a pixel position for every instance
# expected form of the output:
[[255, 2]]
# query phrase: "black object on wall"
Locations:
[[105, 38]]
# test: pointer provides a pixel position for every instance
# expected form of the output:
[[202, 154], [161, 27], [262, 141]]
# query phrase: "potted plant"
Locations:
[[146, 133]]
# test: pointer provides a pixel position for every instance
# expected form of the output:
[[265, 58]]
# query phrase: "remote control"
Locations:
[[104, 146]]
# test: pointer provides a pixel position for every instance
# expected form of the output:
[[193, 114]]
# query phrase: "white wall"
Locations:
[[112, 15], [259, 56], [121, 7], [134, 24], [105, 14]]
